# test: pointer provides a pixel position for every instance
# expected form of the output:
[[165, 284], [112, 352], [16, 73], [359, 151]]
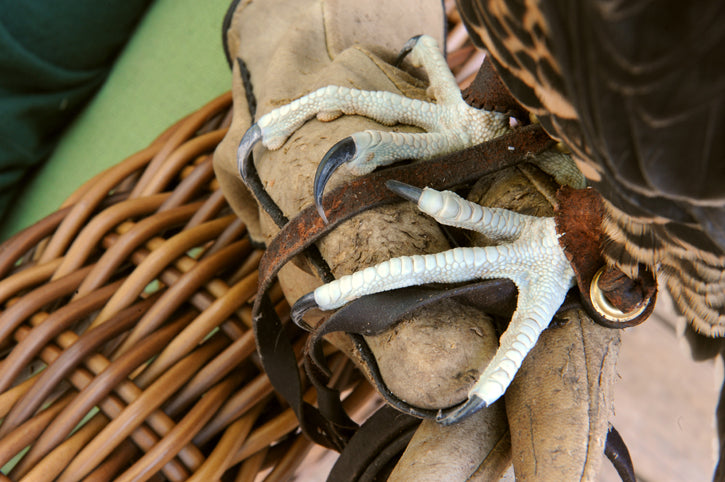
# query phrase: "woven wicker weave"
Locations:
[[125, 330]]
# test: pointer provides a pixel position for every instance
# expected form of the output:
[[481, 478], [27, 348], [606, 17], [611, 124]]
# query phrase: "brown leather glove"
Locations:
[[558, 407]]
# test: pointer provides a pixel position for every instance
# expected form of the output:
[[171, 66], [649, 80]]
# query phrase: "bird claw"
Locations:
[[341, 153], [449, 123], [407, 49], [531, 257], [300, 308], [244, 151], [472, 405], [406, 191]]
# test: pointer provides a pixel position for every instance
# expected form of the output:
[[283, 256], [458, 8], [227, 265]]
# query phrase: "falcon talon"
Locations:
[[449, 123], [530, 256], [341, 153], [528, 253], [406, 191], [472, 405], [407, 48], [299, 310], [244, 151]]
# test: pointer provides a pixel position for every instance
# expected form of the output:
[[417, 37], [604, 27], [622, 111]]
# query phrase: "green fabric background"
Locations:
[[53, 57], [172, 65]]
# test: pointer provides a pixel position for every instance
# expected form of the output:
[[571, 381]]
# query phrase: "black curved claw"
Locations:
[[466, 409], [339, 154], [407, 48], [406, 191], [244, 151], [302, 306]]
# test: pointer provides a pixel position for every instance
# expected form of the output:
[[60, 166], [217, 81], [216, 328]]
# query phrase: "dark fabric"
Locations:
[[53, 57]]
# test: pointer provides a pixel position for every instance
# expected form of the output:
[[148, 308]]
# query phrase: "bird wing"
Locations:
[[636, 89]]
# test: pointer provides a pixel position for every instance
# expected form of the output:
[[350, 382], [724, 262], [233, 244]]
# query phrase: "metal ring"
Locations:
[[607, 310]]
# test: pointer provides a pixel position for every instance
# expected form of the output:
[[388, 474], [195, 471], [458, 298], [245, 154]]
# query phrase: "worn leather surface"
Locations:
[[299, 53]]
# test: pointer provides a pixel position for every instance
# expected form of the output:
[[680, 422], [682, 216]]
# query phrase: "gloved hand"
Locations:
[[558, 407]]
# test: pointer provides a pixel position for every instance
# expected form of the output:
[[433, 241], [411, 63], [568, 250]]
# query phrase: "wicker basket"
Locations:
[[125, 330]]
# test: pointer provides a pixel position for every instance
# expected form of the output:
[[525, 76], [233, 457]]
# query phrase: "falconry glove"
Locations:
[[555, 414]]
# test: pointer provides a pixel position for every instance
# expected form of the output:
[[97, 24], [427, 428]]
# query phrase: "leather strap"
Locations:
[[616, 451], [328, 425], [578, 219], [332, 428], [375, 449], [369, 191], [488, 92], [374, 314]]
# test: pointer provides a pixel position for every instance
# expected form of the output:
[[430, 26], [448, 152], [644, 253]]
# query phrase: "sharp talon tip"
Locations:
[[406, 191], [465, 410], [407, 48], [321, 211], [300, 308], [341, 153], [244, 151]]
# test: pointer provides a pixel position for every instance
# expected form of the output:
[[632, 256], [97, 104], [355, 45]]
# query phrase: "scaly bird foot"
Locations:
[[450, 125], [530, 256]]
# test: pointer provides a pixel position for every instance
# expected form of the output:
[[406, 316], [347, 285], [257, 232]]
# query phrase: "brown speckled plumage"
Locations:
[[636, 89]]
